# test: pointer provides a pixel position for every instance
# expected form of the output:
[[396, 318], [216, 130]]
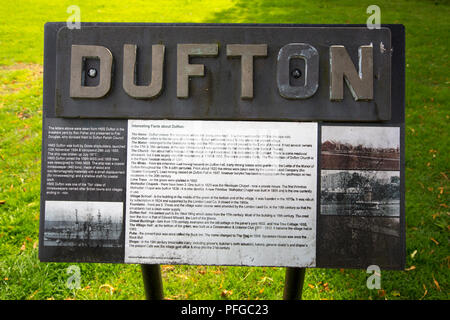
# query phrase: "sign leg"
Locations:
[[293, 283], [151, 274]]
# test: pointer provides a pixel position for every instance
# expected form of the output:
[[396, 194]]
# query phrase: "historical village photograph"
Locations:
[[365, 148], [83, 224], [360, 193]]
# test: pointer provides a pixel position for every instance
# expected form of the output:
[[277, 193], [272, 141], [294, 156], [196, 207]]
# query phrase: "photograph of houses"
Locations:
[[360, 171], [364, 148]]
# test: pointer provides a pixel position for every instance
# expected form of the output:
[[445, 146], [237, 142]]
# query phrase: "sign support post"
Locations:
[[153, 286], [293, 283]]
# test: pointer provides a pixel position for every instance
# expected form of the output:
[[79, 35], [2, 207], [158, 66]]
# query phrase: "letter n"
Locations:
[[359, 82]]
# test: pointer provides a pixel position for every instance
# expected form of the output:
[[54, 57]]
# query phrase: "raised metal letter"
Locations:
[[184, 69], [341, 67], [129, 67], [247, 52], [311, 57], [79, 53]]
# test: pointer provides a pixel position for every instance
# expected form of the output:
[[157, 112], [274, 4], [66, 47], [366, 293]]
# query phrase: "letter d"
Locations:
[[79, 53]]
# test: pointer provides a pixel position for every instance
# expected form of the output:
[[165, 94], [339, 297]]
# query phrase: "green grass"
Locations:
[[22, 276]]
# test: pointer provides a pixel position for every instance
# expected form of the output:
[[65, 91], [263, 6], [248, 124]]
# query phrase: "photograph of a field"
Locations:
[[371, 148]]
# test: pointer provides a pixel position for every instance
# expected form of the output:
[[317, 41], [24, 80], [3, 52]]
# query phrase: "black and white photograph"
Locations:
[[87, 224], [360, 148], [361, 240], [360, 193]]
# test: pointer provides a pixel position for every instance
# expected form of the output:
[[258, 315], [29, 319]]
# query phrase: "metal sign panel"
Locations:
[[292, 71], [139, 166]]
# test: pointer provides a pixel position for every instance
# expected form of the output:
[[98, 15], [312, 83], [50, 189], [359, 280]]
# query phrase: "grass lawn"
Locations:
[[426, 276]]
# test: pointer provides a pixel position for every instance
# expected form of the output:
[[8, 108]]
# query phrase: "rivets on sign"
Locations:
[[296, 73], [92, 72]]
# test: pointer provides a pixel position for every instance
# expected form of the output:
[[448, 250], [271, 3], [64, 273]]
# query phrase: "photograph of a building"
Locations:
[[360, 171], [83, 224], [365, 193], [365, 148]]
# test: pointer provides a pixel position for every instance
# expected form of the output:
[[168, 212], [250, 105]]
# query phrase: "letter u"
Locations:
[[129, 68]]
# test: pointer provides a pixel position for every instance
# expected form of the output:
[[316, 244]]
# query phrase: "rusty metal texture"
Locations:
[[211, 87]]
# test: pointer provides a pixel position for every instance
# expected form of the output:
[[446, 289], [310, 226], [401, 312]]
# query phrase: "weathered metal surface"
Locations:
[[185, 69], [77, 83], [359, 82], [335, 248], [129, 71], [217, 91], [246, 52], [311, 74]]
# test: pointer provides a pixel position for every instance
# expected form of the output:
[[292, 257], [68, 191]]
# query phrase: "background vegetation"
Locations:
[[426, 276]]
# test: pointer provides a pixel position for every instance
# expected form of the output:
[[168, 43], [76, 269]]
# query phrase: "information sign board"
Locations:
[[257, 145]]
